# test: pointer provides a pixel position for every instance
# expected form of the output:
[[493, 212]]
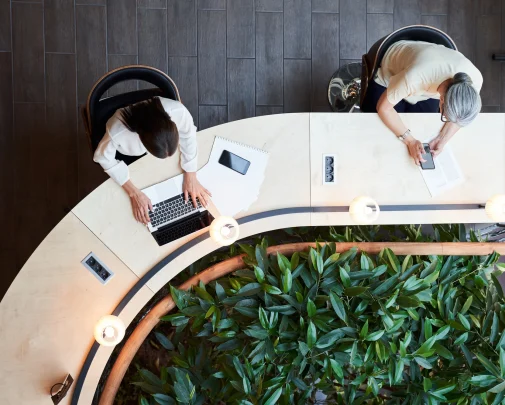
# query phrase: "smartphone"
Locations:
[[234, 162], [430, 163]]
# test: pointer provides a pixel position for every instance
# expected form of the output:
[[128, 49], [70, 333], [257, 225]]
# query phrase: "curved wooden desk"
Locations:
[[48, 314]]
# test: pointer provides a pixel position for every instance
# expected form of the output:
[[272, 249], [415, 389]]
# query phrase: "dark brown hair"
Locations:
[[151, 122]]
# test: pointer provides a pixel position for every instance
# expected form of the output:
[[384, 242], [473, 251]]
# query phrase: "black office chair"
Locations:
[[373, 58], [98, 110]]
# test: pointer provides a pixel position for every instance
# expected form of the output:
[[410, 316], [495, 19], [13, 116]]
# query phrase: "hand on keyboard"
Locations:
[[192, 186]]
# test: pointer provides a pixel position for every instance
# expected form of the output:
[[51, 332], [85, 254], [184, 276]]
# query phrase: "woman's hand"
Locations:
[[192, 186], [416, 149], [437, 145], [141, 204]]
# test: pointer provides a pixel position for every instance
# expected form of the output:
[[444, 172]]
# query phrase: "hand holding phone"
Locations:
[[429, 163]]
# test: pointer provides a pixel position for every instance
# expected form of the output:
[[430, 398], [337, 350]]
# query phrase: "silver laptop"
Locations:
[[173, 218]]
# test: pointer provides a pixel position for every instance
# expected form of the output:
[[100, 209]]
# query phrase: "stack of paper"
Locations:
[[446, 175], [233, 192]]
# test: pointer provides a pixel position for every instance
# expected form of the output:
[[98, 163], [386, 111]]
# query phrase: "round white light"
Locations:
[[495, 208], [364, 210], [109, 330], [224, 230]]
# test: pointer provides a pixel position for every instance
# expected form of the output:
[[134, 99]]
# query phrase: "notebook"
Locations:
[[233, 192]]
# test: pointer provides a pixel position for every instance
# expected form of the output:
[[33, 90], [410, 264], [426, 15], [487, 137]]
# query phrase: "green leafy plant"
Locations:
[[346, 328]]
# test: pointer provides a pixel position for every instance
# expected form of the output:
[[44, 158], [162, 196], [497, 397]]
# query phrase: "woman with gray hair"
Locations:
[[418, 76]]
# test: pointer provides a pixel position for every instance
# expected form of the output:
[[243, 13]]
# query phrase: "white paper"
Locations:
[[446, 175], [233, 192]]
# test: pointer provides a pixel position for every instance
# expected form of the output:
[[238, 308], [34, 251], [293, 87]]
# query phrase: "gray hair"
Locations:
[[462, 101]]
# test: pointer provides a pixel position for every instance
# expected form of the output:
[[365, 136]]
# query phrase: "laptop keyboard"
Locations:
[[173, 208]]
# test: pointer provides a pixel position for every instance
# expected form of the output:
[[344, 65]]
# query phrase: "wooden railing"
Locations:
[[221, 269]]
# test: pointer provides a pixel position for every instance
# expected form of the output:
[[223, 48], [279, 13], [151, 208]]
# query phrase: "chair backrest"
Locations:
[[373, 58], [98, 110]]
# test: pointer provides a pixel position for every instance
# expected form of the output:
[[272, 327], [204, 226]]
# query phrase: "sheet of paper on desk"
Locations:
[[446, 175], [233, 192]]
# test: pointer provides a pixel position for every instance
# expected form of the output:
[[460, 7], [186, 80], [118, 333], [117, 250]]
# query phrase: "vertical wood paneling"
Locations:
[[269, 59], [380, 6], [5, 26], [437, 21], [325, 6], [61, 135], [212, 115], [121, 26], [489, 42], [7, 165], [212, 57], [297, 32], [268, 110], [297, 85], [212, 4], [325, 54], [184, 72], [407, 12], [28, 52], [91, 45], [270, 5], [30, 177], [182, 27], [352, 29], [59, 26], [240, 23], [152, 38], [434, 6], [241, 89], [378, 26], [461, 23]]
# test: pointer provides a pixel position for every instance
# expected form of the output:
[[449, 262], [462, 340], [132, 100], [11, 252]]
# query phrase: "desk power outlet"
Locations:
[[329, 169], [97, 268]]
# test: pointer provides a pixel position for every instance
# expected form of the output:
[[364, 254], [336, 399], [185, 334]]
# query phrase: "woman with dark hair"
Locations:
[[157, 126]]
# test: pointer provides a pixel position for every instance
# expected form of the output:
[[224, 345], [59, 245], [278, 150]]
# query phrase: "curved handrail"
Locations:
[[218, 270]]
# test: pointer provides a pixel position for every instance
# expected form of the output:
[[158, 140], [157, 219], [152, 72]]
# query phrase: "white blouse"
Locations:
[[118, 138]]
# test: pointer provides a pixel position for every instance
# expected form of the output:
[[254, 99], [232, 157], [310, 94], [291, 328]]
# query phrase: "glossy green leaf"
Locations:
[[311, 335], [488, 365], [498, 388], [427, 384], [259, 273], [423, 362], [287, 281], [364, 330], [482, 380], [330, 338], [249, 289], [338, 306], [271, 289], [466, 305], [164, 341], [311, 308], [407, 302], [461, 339], [344, 276], [464, 321], [274, 397], [264, 319], [372, 337], [386, 286], [283, 262]]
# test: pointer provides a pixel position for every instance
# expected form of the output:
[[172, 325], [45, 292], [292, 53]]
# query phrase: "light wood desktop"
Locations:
[[48, 314]]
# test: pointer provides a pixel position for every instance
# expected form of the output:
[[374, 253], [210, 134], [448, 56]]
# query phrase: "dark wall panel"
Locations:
[[297, 20], [269, 59], [297, 85], [182, 27], [91, 46], [352, 29], [325, 54], [240, 23], [212, 115], [28, 52], [121, 26], [184, 72], [212, 57], [152, 37], [241, 89], [59, 26]]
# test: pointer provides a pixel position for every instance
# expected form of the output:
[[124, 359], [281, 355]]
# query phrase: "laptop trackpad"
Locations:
[[166, 190]]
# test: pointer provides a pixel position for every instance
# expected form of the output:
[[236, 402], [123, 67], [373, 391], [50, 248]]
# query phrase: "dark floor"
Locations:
[[230, 59]]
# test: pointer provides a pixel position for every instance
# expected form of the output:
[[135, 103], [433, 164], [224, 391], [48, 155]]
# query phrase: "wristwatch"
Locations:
[[404, 136]]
